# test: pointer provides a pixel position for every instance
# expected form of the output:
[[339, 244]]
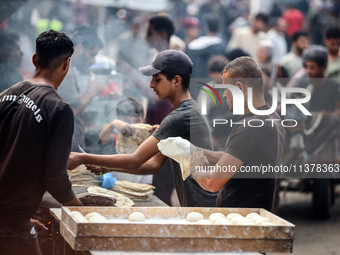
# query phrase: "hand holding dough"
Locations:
[[179, 150]]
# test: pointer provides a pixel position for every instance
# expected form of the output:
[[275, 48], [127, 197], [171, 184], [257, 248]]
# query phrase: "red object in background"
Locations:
[[4, 24], [294, 19], [113, 89]]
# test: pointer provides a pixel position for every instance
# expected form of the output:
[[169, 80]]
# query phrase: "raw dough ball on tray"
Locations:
[[214, 216], [95, 217], [204, 222], [79, 216], [230, 216], [222, 221], [136, 216], [250, 216], [194, 216]]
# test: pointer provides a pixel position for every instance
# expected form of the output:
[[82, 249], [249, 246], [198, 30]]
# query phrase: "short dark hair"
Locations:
[[217, 63], [88, 36], [129, 107], [185, 79], [213, 23], [332, 33], [262, 17], [52, 48], [247, 71], [236, 53], [317, 54], [298, 34], [162, 23]]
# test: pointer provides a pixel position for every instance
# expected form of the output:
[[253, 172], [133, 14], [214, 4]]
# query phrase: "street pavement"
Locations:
[[312, 236]]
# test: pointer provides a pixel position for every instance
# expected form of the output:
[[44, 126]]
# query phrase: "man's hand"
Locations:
[[197, 162], [154, 128], [75, 160], [124, 128], [41, 228], [98, 170]]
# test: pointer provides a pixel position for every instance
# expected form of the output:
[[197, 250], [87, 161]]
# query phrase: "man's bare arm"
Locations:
[[145, 151], [152, 166], [212, 156], [214, 181]]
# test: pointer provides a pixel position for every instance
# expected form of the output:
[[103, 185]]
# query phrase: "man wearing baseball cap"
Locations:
[[171, 72]]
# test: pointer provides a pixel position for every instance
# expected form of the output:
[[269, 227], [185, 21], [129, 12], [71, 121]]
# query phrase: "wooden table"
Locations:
[[51, 209]]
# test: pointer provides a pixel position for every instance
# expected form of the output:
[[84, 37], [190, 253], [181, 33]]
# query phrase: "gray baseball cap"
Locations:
[[171, 61]]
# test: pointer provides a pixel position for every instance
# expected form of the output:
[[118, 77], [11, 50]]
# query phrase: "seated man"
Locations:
[[128, 111]]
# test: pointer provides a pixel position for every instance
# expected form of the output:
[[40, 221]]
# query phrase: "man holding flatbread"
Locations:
[[171, 71]]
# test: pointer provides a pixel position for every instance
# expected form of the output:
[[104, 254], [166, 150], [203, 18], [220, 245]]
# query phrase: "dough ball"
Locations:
[[79, 216], [214, 216], [95, 217], [194, 216], [222, 221], [92, 214], [204, 222], [232, 215], [237, 219], [98, 219], [250, 216], [247, 223], [136, 216], [258, 221]]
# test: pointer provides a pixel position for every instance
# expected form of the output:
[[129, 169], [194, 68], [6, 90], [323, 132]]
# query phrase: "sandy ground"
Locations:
[[312, 236]]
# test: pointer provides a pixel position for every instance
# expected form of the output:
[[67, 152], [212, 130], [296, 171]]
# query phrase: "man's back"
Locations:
[[256, 147], [36, 127]]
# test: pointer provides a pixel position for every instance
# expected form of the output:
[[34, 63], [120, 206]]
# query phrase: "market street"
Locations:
[[312, 236]]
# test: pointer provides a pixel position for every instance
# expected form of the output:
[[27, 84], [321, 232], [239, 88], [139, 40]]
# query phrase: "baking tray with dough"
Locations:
[[166, 229]]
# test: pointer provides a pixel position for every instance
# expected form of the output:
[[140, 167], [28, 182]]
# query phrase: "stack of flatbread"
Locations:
[[122, 201], [81, 177], [129, 144], [135, 191]]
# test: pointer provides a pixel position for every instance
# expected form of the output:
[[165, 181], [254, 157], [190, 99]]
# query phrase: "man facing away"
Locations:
[[36, 127], [170, 71], [246, 147]]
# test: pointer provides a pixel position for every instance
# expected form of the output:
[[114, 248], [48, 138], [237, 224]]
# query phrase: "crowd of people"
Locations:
[[293, 44]]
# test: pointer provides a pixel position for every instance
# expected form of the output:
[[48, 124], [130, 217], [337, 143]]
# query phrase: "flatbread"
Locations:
[[129, 144], [122, 201], [81, 177], [135, 191], [90, 199]]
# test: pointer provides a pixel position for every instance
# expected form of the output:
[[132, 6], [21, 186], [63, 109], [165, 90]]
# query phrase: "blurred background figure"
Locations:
[[248, 38], [220, 132], [265, 53], [278, 37], [292, 61], [295, 21], [160, 29], [332, 42], [204, 47], [10, 60], [192, 28], [79, 86], [132, 46], [129, 110]]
